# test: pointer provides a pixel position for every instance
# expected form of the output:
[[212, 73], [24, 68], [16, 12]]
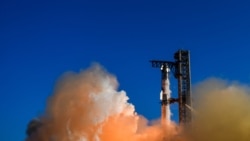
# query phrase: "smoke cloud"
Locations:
[[87, 106], [222, 112]]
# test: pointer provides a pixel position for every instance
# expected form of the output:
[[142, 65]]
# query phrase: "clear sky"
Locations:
[[40, 40]]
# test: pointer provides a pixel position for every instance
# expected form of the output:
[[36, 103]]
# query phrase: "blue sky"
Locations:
[[40, 40]]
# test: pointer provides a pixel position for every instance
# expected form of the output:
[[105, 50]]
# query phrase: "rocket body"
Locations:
[[165, 95], [165, 91]]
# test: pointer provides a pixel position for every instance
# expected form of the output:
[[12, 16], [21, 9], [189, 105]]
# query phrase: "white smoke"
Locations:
[[86, 106]]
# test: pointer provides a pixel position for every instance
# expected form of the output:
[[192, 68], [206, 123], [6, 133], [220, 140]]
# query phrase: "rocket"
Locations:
[[164, 95]]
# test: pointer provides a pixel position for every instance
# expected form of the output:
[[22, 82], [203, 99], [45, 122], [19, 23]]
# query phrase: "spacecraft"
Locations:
[[181, 70]]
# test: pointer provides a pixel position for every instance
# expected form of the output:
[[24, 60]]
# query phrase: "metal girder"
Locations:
[[181, 69]]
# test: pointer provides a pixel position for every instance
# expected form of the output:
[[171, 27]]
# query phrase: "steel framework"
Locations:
[[181, 69]]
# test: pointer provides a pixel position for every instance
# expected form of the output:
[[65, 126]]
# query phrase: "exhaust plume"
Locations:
[[222, 112], [86, 106]]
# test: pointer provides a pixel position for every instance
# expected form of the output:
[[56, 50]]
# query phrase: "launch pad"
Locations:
[[181, 71]]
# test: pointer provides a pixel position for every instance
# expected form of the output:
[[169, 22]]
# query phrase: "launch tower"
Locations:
[[181, 71]]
